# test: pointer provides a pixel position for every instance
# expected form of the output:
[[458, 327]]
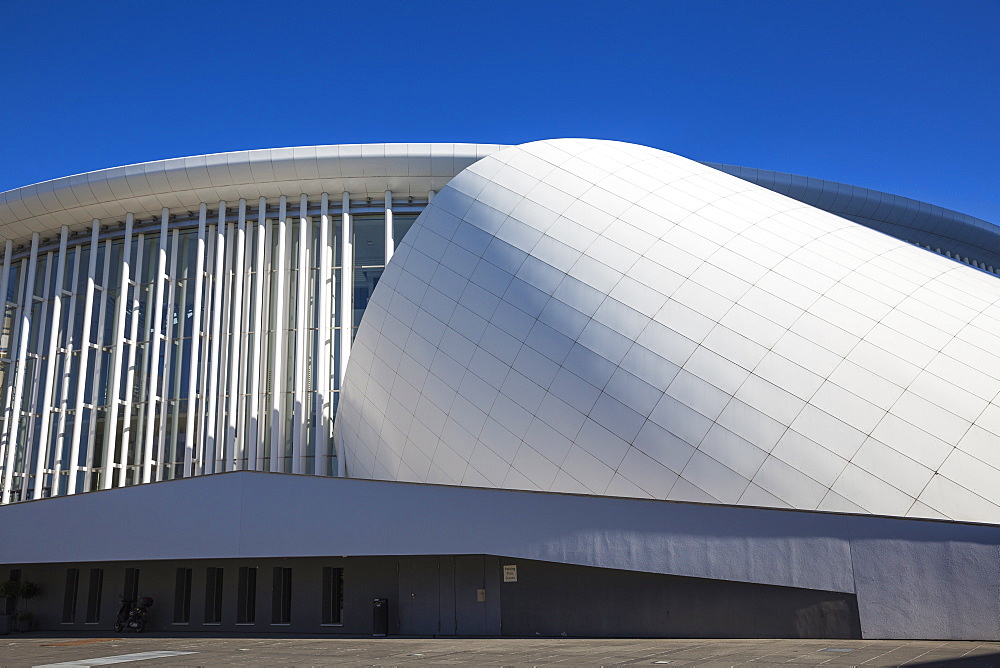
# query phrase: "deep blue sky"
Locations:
[[896, 96]]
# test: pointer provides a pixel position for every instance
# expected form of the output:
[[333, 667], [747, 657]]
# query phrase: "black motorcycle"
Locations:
[[132, 615]]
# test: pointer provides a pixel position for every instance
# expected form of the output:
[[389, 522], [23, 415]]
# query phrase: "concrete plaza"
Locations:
[[174, 650]]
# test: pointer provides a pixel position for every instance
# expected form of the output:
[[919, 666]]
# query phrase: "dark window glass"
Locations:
[[94, 595], [130, 590], [333, 595], [69, 599], [246, 612], [10, 604], [400, 226], [213, 596], [182, 596], [281, 596]]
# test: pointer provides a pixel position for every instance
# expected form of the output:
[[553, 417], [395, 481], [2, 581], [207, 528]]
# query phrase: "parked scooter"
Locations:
[[132, 615]]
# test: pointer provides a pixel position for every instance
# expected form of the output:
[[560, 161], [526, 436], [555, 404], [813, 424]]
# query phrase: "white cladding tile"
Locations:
[[603, 318], [898, 470]]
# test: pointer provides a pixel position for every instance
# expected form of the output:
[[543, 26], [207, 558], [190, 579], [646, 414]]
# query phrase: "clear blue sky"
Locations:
[[896, 96]]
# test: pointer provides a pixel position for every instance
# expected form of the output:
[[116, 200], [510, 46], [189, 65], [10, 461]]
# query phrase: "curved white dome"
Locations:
[[598, 317]]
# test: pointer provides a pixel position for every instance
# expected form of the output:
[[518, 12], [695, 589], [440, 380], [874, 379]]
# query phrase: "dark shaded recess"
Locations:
[[990, 660], [555, 599]]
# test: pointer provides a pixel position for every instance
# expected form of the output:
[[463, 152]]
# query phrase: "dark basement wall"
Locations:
[[462, 595]]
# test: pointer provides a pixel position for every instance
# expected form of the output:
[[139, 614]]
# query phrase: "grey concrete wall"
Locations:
[[927, 579], [914, 578]]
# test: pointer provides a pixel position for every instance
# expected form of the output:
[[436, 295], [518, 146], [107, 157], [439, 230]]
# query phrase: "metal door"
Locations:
[[419, 592]]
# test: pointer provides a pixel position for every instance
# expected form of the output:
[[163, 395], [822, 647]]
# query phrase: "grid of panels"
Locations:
[[596, 317], [956, 235]]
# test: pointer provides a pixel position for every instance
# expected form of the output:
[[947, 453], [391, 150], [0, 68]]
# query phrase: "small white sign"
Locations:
[[480, 595], [510, 573]]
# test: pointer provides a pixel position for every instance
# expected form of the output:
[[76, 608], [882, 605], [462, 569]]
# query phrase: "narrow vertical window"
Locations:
[[69, 598], [213, 596], [182, 596], [94, 595], [131, 588], [246, 612], [10, 604], [281, 596], [333, 595]]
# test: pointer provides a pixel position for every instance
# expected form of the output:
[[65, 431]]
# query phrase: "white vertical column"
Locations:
[[9, 376], [321, 365], [215, 321], [13, 408], [165, 393], [346, 288], [390, 245], [95, 387], [345, 307], [193, 365], [13, 412], [62, 397], [206, 349], [243, 379], [8, 248], [430, 196], [128, 437], [154, 312], [278, 298], [255, 369], [10, 412], [300, 392], [114, 377], [222, 364], [48, 383], [33, 391], [236, 368]]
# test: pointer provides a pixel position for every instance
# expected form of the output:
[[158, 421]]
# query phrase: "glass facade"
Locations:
[[189, 343]]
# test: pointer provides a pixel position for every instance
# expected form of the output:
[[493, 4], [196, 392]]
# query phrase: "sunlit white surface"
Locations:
[[597, 317]]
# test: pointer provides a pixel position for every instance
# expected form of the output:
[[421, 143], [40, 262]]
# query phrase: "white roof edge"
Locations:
[[362, 169]]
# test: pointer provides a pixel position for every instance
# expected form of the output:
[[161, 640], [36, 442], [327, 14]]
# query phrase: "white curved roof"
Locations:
[[925, 224], [145, 189], [597, 317]]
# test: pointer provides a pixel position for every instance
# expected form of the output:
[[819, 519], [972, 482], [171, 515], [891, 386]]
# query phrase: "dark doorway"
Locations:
[[419, 594]]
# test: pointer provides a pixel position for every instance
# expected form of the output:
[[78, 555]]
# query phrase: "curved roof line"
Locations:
[[146, 188], [901, 217], [368, 170]]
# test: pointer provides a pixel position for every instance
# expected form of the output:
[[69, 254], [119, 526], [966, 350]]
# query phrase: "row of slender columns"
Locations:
[[238, 330]]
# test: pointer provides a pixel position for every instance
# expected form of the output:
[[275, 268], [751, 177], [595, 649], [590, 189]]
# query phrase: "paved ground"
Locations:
[[163, 650]]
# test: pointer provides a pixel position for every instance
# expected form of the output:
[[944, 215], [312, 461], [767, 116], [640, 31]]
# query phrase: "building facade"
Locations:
[[227, 337], [655, 343]]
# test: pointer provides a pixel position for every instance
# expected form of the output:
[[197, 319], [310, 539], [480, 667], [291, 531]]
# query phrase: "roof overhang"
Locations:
[[364, 170]]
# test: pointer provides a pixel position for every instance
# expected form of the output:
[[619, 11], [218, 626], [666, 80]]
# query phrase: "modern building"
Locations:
[[600, 390]]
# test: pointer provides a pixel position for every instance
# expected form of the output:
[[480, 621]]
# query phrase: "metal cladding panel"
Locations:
[[598, 317], [898, 216]]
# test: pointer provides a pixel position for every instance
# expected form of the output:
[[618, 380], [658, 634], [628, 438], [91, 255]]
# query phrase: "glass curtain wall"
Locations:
[[192, 343]]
